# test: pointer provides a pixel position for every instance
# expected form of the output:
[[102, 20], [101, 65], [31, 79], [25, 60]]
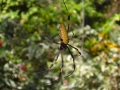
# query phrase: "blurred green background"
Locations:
[[25, 52]]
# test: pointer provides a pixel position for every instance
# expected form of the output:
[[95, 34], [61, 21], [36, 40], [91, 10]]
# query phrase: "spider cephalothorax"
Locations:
[[63, 46]]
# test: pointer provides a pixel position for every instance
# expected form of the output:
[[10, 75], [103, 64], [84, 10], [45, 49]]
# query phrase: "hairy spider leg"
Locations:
[[74, 66], [54, 60], [61, 67], [68, 15], [75, 48], [51, 39], [68, 26]]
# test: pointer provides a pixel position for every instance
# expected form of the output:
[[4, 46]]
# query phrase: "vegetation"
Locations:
[[26, 52]]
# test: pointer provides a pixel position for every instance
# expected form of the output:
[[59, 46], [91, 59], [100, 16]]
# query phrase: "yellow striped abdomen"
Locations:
[[63, 34]]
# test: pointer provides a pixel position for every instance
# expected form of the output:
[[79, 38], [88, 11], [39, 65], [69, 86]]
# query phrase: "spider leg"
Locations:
[[51, 39], [68, 19], [54, 60], [74, 66], [61, 68], [74, 48], [69, 26]]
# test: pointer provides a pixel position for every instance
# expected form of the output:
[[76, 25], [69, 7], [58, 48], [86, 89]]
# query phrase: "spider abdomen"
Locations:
[[63, 34]]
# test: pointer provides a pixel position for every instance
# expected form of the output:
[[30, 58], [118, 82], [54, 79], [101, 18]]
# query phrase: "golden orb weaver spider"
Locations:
[[63, 34]]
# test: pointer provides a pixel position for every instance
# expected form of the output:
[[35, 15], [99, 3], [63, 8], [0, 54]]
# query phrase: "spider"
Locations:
[[64, 44]]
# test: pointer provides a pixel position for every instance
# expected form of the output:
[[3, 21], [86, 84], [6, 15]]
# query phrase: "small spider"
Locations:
[[64, 44]]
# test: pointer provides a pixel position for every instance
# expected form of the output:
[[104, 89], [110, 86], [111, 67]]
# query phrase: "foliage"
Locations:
[[25, 51]]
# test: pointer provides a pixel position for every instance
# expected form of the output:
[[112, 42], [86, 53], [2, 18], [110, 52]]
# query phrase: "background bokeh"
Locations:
[[26, 52]]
